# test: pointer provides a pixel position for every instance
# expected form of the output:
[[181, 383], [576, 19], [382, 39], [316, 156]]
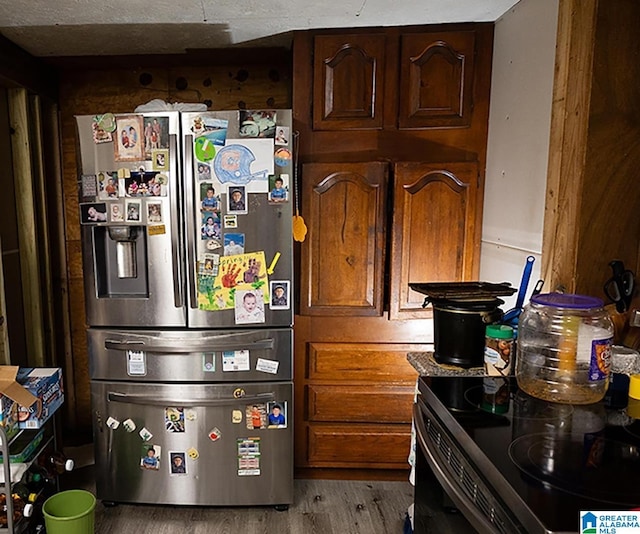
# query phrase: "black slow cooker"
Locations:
[[461, 312]]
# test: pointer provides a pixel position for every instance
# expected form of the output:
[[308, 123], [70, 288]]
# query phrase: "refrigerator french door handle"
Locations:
[[190, 219], [175, 237], [184, 347], [149, 400]]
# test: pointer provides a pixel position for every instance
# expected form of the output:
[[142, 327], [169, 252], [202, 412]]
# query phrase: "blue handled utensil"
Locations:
[[512, 315]]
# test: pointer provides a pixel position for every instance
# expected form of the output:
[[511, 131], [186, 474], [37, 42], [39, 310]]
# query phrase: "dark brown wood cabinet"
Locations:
[[393, 79], [392, 146], [343, 256]]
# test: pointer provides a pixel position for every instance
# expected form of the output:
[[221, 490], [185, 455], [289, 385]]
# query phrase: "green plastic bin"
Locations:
[[69, 512]]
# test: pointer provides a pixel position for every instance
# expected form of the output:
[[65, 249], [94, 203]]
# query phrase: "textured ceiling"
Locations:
[[115, 27]]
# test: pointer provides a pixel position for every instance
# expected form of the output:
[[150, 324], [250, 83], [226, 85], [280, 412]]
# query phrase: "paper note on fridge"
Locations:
[[267, 366], [235, 360]]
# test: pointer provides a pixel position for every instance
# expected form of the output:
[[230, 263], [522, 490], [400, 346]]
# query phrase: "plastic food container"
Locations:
[[564, 348]]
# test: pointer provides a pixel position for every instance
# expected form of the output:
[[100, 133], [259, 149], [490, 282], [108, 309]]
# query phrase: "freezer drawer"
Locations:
[[228, 452], [191, 355]]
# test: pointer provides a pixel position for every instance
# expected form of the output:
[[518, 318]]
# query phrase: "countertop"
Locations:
[[426, 365]]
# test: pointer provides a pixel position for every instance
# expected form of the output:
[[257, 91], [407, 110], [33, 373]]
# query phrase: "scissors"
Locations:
[[619, 288]]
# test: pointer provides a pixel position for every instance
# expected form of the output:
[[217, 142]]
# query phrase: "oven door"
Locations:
[[442, 448]]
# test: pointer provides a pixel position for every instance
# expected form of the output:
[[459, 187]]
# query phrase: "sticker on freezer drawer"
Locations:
[[136, 363], [248, 456], [209, 362], [236, 416], [215, 434], [178, 463], [277, 417], [235, 360], [267, 366], [112, 423], [256, 415], [150, 457], [174, 419], [129, 425]]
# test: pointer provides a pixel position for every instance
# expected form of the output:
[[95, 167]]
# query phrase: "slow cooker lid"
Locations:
[[463, 291]]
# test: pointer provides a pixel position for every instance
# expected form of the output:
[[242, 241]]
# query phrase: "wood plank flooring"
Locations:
[[320, 507]]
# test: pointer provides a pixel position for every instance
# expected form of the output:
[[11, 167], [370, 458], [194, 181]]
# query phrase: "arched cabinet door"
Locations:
[[435, 230], [348, 75], [436, 79], [342, 258]]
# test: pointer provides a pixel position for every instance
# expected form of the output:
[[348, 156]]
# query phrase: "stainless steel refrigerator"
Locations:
[[187, 251]]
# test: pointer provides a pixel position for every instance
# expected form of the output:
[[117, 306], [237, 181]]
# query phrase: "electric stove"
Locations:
[[513, 463]]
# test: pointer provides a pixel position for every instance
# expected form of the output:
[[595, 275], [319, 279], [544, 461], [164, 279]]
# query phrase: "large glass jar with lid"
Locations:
[[564, 348]]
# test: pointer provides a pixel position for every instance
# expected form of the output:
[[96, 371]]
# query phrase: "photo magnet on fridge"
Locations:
[[178, 463], [128, 143], [93, 213], [150, 457]]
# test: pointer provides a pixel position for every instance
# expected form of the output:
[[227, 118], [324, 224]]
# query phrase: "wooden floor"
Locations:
[[321, 506]]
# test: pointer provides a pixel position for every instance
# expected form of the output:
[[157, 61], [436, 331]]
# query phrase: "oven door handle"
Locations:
[[148, 400], [463, 503]]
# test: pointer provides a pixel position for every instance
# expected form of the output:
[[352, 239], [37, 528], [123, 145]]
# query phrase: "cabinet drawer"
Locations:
[[359, 446], [367, 362], [359, 404]]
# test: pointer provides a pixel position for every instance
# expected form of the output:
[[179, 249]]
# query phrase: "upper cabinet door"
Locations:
[[342, 258], [348, 81], [436, 79], [435, 227]]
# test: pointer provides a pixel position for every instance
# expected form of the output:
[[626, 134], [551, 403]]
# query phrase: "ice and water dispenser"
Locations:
[[120, 256]]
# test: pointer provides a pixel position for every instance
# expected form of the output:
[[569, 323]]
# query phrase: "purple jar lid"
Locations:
[[568, 300]]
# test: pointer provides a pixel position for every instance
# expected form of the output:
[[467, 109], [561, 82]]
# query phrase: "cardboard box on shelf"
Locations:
[[45, 383], [12, 396]]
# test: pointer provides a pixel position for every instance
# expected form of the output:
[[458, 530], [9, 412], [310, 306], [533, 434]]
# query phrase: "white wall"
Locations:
[[518, 143]]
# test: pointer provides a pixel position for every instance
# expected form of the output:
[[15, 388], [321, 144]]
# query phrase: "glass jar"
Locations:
[[564, 348]]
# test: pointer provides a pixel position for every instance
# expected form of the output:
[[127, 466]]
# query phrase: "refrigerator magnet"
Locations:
[[209, 362], [256, 416], [108, 185], [88, 188], [133, 208], [282, 157], [236, 416], [112, 423], [190, 414], [145, 434], [116, 212], [156, 135], [278, 189], [233, 244], [282, 135], [150, 457], [100, 135], [93, 213], [277, 417], [129, 425], [237, 201], [178, 463], [154, 212], [235, 360], [279, 290], [267, 366], [174, 419], [215, 434], [160, 159], [249, 306], [136, 363], [128, 145], [193, 453], [248, 456], [230, 221]]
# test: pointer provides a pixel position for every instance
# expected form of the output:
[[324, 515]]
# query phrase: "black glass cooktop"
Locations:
[[560, 459]]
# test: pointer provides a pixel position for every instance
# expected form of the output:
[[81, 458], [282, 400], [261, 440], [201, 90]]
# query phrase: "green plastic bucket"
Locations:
[[69, 512]]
